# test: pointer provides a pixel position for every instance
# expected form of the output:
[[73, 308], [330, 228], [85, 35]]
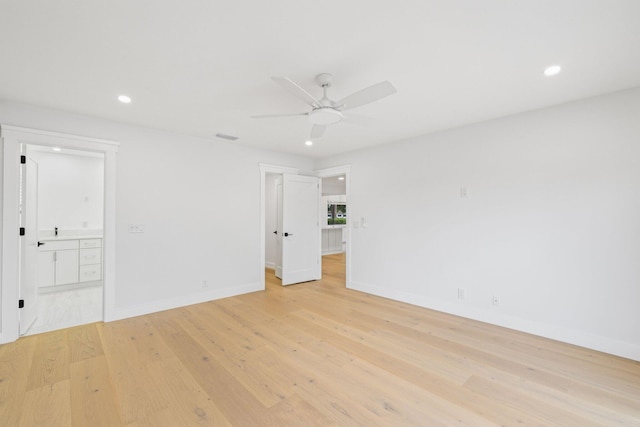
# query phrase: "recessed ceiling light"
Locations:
[[552, 70], [57, 149], [124, 99], [308, 143], [341, 178]]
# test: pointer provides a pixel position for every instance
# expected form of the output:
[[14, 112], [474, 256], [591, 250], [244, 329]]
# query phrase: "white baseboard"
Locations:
[[69, 287], [332, 252], [270, 265], [181, 301], [579, 338]]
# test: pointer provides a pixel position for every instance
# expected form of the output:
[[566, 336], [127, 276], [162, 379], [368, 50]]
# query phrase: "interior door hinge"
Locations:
[[23, 160], [20, 303], [22, 231]]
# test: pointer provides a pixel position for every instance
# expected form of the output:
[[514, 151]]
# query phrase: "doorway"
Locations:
[[336, 199], [334, 227], [69, 194], [292, 227], [13, 138], [267, 227]]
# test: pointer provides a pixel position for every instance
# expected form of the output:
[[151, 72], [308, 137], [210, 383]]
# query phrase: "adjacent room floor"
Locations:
[[63, 309]]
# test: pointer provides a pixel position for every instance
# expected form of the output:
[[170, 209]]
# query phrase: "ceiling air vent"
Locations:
[[227, 137]]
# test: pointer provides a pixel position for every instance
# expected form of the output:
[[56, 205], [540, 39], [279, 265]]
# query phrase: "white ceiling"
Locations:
[[202, 67]]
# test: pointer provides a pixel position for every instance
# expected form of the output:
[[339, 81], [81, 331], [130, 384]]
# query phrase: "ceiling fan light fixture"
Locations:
[[325, 116]]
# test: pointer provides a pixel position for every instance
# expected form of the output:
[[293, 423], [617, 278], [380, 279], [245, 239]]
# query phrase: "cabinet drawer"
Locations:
[[90, 272], [90, 256], [90, 243], [58, 245]]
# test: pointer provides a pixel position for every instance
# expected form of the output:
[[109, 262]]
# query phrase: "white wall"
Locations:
[[198, 199], [70, 191], [551, 223]]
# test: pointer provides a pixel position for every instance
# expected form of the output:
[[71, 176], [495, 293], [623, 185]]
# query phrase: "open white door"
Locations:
[[300, 231], [29, 245]]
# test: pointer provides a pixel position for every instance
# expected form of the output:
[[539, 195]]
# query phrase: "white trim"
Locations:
[[264, 169], [332, 253], [267, 168], [12, 137], [333, 171], [570, 336], [346, 171], [52, 139], [184, 300]]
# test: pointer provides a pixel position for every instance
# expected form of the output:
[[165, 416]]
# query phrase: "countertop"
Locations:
[[53, 238]]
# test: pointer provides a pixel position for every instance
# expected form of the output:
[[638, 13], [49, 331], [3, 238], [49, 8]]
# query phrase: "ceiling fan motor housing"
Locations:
[[325, 116]]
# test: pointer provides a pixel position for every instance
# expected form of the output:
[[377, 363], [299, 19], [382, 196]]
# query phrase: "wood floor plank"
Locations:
[[296, 411], [129, 346], [189, 403], [525, 402], [84, 342], [50, 405], [50, 360], [93, 399], [237, 403], [244, 358], [15, 363]]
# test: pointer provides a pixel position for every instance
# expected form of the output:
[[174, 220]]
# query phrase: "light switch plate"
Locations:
[[136, 228]]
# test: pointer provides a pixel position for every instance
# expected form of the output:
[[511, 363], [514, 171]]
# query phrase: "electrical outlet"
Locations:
[[462, 294], [204, 284], [496, 300]]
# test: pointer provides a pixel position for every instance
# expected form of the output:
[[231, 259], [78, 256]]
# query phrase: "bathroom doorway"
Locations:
[[70, 218]]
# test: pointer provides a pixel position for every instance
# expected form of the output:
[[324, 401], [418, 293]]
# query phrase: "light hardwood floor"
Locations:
[[313, 354]]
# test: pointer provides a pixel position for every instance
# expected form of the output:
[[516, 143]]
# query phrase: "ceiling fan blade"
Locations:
[[317, 131], [269, 116], [366, 95], [296, 91]]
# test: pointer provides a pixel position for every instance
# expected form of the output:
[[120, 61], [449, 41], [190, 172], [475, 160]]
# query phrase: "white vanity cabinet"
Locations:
[[69, 261], [90, 260], [58, 263]]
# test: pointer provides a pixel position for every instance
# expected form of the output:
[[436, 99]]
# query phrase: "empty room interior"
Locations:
[[293, 213]]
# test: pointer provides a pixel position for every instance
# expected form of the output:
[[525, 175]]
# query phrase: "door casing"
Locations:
[[12, 137]]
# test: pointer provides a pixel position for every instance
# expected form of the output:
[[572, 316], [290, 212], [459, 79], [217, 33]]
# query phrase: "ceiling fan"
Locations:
[[325, 111]]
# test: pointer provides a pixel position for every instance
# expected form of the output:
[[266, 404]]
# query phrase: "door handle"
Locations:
[[275, 232], [288, 234], [40, 244]]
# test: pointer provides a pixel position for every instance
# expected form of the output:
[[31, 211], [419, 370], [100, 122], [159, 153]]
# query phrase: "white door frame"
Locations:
[[264, 170], [346, 171], [12, 137]]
